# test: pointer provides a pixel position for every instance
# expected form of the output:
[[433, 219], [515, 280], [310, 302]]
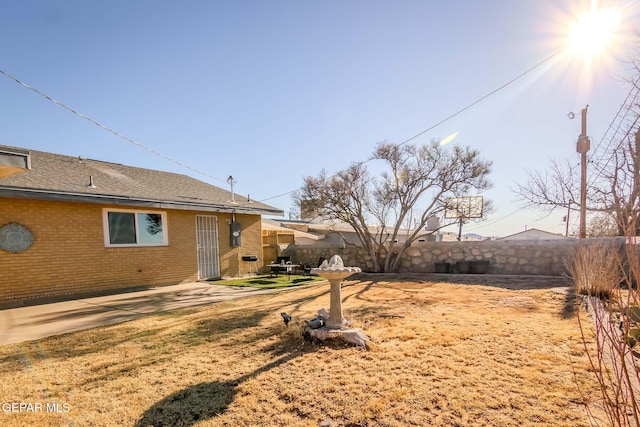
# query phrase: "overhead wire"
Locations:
[[628, 104], [623, 138], [415, 136], [157, 153], [482, 98], [107, 128], [496, 220], [449, 117], [620, 121]]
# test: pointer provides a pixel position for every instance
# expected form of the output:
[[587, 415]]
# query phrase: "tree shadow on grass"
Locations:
[[201, 401], [189, 406], [571, 303], [515, 282], [207, 400]]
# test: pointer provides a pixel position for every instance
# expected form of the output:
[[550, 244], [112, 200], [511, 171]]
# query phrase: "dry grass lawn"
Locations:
[[446, 354]]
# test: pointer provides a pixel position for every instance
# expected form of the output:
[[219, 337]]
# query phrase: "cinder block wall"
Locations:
[[68, 255]]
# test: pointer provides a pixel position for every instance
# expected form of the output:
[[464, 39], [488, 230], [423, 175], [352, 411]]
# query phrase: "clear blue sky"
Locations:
[[273, 91]]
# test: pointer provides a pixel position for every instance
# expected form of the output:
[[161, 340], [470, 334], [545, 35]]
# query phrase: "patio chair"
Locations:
[[308, 267]]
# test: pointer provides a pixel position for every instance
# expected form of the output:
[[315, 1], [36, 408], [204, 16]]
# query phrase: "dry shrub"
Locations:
[[606, 274], [595, 268]]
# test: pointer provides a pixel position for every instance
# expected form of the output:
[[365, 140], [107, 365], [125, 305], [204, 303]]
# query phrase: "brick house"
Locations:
[[71, 226]]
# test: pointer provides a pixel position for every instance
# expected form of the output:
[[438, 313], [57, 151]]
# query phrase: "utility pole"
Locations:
[[582, 147]]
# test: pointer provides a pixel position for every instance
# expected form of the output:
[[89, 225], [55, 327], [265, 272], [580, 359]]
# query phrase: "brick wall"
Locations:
[[231, 264], [68, 255]]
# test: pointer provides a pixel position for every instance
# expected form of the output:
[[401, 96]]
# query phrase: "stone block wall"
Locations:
[[527, 257], [534, 257]]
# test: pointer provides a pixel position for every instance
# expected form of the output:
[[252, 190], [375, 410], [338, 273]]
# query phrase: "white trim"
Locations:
[[105, 227]]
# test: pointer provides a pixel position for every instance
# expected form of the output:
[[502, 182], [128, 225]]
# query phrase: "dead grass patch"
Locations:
[[445, 355]]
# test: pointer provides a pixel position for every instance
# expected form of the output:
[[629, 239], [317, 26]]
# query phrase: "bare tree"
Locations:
[[602, 225], [553, 188], [615, 191], [618, 193], [413, 188]]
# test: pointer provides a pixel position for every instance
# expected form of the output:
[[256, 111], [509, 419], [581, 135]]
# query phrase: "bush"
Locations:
[[611, 329], [595, 268]]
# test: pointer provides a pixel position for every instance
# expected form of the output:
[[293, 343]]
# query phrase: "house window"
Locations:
[[134, 228]]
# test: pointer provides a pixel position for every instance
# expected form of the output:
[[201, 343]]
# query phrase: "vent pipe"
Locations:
[[230, 181]]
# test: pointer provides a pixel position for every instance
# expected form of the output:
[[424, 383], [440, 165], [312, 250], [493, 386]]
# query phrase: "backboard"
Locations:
[[463, 207]]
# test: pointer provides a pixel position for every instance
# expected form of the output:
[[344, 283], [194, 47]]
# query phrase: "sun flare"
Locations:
[[449, 138], [593, 34]]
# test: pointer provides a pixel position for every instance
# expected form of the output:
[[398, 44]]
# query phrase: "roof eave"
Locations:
[[30, 193]]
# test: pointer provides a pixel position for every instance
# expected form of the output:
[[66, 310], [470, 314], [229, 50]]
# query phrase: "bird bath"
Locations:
[[336, 325], [335, 272]]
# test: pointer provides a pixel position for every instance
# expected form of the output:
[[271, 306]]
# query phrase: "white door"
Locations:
[[207, 241]]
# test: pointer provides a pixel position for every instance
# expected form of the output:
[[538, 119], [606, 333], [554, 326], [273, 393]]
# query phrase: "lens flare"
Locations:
[[449, 138]]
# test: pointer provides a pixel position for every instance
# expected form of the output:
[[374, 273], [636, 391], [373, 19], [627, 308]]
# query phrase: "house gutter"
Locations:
[[128, 201]]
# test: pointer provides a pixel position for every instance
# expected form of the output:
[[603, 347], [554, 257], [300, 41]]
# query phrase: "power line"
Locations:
[[155, 152], [495, 221], [601, 169], [451, 116], [626, 103], [108, 129], [519, 76], [621, 119]]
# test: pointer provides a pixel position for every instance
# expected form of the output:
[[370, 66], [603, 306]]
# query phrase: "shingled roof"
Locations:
[[58, 177]]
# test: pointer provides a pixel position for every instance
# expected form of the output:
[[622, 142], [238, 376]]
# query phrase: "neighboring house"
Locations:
[[70, 225], [318, 234], [534, 234], [276, 239], [331, 234], [450, 236]]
